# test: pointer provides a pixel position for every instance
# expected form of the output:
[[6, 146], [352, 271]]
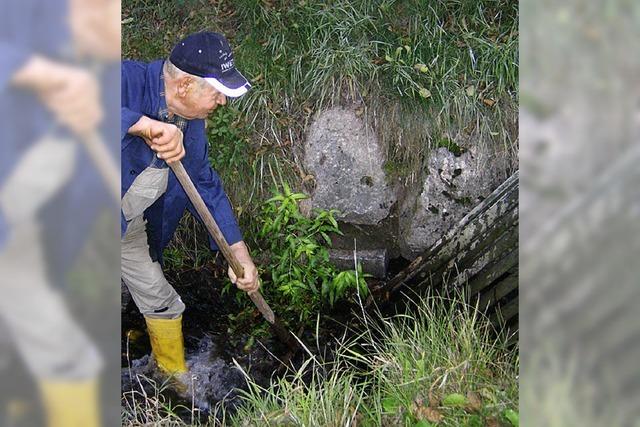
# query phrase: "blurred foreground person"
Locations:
[[50, 193]]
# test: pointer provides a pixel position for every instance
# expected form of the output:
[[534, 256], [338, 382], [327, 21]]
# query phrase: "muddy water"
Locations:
[[210, 348]]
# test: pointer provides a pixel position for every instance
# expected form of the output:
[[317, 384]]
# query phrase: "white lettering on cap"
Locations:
[[227, 65]]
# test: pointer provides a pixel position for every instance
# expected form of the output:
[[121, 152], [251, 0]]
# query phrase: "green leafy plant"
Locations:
[[188, 249], [302, 278], [344, 282]]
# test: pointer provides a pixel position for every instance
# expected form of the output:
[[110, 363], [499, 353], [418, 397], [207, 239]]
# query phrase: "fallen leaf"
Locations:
[[425, 93], [474, 403], [470, 90], [390, 404], [454, 399], [434, 399], [430, 414], [488, 102], [492, 422], [513, 417], [421, 67], [593, 34]]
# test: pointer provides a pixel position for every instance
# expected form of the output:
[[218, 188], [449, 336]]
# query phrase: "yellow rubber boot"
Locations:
[[71, 403], [167, 344]]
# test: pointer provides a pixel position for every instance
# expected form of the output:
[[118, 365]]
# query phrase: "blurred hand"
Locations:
[[75, 101], [71, 93], [163, 138]]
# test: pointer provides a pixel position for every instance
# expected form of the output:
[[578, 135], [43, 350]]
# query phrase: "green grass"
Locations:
[[442, 364], [386, 57]]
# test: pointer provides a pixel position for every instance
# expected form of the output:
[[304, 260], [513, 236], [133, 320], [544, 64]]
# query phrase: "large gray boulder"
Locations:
[[344, 156], [453, 185]]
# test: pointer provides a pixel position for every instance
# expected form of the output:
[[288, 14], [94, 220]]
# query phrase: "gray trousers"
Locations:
[[53, 345], [150, 290]]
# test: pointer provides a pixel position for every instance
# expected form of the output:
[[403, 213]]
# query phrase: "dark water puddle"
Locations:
[[211, 378], [210, 349]]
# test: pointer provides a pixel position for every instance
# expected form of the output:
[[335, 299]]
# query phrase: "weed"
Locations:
[[297, 248]]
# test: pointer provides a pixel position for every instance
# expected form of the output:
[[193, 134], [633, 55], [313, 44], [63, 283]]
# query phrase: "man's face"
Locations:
[[201, 100]]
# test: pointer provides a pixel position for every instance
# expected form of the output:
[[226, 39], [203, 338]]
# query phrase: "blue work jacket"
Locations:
[[142, 89]]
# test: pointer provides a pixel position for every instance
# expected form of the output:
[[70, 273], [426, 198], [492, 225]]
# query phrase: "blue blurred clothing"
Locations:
[[143, 94], [26, 28], [38, 27]]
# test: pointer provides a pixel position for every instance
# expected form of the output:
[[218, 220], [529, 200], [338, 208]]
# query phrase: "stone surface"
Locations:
[[374, 262], [346, 160], [453, 185]]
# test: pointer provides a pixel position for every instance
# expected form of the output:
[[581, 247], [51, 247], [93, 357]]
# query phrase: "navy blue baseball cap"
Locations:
[[208, 55]]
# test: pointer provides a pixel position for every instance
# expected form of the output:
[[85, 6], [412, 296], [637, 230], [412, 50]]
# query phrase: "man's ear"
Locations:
[[184, 86]]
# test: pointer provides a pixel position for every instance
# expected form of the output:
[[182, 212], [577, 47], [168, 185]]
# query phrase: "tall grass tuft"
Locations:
[[442, 363], [450, 67]]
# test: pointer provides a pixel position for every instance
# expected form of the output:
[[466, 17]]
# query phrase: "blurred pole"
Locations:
[[103, 161], [579, 213]]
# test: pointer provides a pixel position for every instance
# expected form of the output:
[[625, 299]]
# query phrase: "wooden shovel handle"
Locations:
[[214, 230]]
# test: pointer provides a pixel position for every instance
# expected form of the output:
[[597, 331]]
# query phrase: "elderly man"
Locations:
[[164, 104]]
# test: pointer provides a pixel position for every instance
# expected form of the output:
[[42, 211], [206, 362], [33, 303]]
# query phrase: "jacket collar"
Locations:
[[154, 99]]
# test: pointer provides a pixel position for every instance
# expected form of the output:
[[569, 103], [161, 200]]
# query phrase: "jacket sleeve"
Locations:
[[13, 58], [128, 116], [209, 186], [127, 119]]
